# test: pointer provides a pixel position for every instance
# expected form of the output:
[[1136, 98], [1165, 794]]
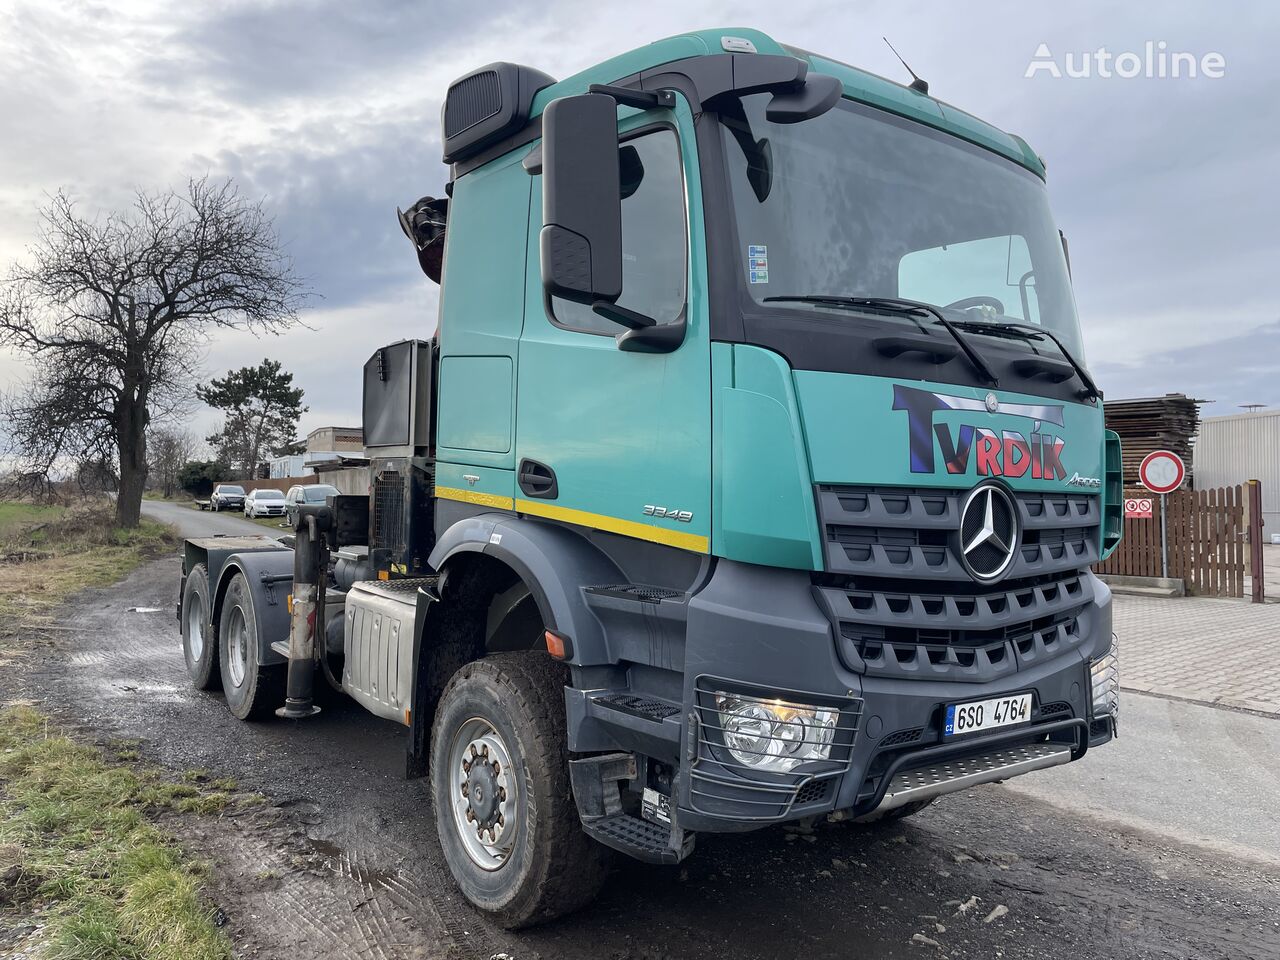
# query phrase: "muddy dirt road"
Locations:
[[343, 861]]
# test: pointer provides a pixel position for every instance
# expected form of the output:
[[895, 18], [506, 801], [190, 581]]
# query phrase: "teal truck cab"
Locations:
[[753, 474]]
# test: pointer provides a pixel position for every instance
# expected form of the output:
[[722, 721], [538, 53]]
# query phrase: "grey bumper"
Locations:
[[769, 631]]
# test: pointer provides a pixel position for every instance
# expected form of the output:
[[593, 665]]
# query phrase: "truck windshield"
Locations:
[[858, 202]]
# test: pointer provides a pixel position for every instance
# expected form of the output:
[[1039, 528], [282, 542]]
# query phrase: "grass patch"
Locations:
[[52, 552], [275, 523], [83, 854], [16, 516]]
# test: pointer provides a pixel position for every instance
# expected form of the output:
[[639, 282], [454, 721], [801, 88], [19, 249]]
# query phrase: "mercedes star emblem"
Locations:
[[992, 402], [988, 532]]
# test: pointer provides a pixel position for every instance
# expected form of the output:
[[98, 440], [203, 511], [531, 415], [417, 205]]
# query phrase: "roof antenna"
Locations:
[[918, 85]]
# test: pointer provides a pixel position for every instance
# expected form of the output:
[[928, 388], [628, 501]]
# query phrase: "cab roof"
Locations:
[[860, 85]]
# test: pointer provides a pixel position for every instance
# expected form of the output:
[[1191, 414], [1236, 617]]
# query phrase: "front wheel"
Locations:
[[505, 815]]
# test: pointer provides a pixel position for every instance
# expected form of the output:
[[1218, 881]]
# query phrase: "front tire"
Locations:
[[512, 840], [199, 641], [252, 690]]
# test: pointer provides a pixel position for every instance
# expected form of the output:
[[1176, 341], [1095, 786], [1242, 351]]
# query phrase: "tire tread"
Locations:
[[566, 884]]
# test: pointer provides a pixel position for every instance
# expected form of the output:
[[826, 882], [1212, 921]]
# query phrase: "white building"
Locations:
[[1243, 446]]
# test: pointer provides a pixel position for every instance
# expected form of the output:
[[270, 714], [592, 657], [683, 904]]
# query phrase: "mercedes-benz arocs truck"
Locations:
[[753, 474]]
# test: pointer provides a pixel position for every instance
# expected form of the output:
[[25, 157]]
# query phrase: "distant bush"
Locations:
[[199, 476]]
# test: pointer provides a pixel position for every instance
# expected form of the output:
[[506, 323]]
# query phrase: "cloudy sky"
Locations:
[[330, 110]]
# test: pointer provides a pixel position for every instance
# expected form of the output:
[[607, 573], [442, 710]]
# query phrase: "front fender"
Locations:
[[556, 563]]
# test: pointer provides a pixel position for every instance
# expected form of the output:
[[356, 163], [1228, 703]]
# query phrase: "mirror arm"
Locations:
[[621, 315], [663, 338], [640, 99]]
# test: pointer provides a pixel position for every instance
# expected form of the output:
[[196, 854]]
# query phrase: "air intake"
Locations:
[[487, 106], [471, 100]]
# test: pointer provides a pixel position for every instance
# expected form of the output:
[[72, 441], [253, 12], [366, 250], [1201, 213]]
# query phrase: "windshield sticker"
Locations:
[[758, 263]]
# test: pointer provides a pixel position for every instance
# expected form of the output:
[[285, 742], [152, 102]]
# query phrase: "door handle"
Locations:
[[537, 480]]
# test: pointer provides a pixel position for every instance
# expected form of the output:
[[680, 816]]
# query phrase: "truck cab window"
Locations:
[[989, 269], [653, 236]]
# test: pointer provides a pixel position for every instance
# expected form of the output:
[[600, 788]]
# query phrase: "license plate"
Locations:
[[987, 714]]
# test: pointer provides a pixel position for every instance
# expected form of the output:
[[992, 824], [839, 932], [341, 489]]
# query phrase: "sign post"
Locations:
[[1162, 472]]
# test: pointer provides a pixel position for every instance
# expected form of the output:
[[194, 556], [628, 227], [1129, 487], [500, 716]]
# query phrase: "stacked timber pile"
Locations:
[[1154, 423]]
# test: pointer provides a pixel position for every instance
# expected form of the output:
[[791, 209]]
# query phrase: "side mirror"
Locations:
[[581, 238], [816, 96]]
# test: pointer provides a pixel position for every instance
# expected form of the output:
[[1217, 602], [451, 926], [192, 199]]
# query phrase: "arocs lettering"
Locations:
[[1011, 453]]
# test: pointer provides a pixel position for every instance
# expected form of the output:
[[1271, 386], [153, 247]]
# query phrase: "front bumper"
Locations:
[[781, 644]]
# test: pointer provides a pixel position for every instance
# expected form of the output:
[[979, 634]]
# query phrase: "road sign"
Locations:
[[1162, 471], [1137, 508]]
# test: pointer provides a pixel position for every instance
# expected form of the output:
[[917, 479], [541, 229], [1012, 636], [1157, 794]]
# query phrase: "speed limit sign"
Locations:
[[1162, 471]]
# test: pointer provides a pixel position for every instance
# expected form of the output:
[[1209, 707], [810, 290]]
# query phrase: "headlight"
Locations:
[[774, 735], [1105, 674]]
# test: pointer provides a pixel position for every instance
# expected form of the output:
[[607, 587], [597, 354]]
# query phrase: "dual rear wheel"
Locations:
[[227, 659]]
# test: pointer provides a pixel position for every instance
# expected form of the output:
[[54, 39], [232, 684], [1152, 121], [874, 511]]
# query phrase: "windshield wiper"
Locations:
[[906, 308], [1030, 331]]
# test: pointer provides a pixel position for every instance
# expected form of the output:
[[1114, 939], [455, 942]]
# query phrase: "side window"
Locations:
[[654, 263], [992, 268]]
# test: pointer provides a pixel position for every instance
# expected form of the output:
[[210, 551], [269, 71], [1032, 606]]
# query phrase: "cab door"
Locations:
[[613, 440]]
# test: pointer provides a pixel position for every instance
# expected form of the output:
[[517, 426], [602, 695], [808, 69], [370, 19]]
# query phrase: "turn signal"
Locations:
[[559, 647]]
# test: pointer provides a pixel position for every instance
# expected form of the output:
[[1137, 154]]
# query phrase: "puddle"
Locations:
[[341, 862]]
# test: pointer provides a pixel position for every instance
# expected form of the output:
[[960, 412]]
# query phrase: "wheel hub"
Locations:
[[482, 790], [485, 807]]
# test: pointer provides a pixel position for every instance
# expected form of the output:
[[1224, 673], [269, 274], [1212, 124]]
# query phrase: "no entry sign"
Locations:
[[1137, 508], [1162, 471]]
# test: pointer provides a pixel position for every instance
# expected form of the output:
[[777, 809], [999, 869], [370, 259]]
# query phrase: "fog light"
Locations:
[[1105, 674], [774, 735]]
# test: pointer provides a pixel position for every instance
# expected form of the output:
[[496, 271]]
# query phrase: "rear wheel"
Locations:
[[252, 690], [199, 642], [500, 782]]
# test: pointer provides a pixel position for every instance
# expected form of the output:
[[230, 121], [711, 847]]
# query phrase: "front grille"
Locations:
[[723, 787], [904, 531], [892, 552], [388, 512]]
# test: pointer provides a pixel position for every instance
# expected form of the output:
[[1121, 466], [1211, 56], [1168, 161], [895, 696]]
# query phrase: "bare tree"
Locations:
[[168, 451], [113, 310]]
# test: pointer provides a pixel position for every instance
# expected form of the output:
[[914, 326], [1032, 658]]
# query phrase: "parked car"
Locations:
[[310, 493], [264, 503], [227, 496]]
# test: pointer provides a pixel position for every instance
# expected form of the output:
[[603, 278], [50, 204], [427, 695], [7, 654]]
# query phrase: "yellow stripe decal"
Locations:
[[628, 528], [473, 496]]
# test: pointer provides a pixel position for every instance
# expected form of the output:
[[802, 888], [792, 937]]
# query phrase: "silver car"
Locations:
[[264, 503]]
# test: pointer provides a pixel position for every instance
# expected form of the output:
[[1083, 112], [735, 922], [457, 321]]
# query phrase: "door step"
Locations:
[[650, 842], [281, 647], [655, 711], [948, 776]]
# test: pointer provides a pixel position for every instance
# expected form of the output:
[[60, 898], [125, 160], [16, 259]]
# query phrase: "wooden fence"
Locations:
[[1206, 541]]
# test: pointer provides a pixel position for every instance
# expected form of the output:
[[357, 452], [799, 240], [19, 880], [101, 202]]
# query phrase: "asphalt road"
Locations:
[[191, 522], [1163, 845]]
